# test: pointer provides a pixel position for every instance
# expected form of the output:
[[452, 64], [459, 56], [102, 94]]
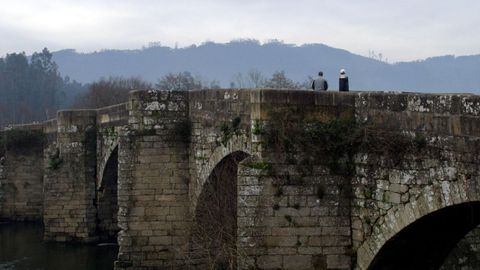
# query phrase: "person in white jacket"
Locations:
[[343, 81]]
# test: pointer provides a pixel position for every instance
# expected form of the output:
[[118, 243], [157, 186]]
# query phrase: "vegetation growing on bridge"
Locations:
[[263, 166], [110, 134], [307, 141], [230, 129], [54, 160]]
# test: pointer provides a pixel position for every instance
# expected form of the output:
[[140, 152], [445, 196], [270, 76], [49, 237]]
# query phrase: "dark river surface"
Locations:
[[21, 248]]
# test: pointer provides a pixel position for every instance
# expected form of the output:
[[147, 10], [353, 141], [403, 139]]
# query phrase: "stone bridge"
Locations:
[[257, 179]]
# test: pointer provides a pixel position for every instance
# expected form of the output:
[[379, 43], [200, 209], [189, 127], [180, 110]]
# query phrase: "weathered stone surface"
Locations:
[[168, 144], [21, 185]]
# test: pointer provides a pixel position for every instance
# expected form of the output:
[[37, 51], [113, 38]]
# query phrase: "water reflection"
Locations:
[[21, 248]]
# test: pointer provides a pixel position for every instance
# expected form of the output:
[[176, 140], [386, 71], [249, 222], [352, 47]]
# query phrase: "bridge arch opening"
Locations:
[[427, 242], [107, 204], [214, 231]]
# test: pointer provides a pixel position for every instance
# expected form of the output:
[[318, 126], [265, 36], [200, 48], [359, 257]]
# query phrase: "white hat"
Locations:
[[342, 71]]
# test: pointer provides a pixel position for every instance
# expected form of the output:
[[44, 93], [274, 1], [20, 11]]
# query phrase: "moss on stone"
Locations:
[[264, 166], [54, 160], [307, 141], [230, 129], [257, 129]]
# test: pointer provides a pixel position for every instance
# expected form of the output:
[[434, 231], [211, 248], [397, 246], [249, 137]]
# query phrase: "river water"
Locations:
[[21, 248]]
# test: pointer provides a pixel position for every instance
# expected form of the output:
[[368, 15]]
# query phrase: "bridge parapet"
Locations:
[[115, 115], [443, 114]]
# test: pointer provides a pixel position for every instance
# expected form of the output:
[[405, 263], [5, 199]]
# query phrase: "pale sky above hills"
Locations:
[[400, 30]]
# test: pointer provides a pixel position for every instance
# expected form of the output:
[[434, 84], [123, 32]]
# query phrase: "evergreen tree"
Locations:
[[30, 90]]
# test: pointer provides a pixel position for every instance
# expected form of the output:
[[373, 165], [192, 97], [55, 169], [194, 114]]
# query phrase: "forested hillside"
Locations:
[[224, 62]]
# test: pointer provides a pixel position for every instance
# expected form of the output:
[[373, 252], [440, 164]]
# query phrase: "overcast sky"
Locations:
[[400, 30]]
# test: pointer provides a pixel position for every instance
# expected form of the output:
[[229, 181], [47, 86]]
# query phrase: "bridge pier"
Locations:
[[69, 181], [153, 183]]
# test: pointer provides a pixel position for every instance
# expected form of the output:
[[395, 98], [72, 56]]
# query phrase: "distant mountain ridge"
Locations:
[[221, 61]]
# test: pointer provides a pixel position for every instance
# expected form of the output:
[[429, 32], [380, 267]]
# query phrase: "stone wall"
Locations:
[[153, 183], [428, 162], [70, 177], [21, 174], [79, 145], [290, 216], [21, 189], [109, 122], [220, 125], [21, 182], [115, 115], [220, 139]]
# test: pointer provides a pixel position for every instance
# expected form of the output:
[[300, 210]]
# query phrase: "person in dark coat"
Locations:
[[320, 84], [343, 81]]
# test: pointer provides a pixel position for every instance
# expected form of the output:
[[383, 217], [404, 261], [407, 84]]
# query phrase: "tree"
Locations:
[[183, 81], [307, 83], [280, 81], [253, 79], [239, 81], [43, 62], [106, 92], [30, 90], [71, 90], [45, 82], [212, 84], [15, 90]]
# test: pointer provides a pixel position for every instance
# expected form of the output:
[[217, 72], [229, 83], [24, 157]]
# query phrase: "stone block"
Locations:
[[160, 240], [392, 197], [338, 262], [269, 262], [281, 241], [297, 262], [329, 241], [310, 250]]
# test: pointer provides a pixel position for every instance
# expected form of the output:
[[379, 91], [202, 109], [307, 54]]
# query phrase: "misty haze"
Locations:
[[222, 62], [239, 135]]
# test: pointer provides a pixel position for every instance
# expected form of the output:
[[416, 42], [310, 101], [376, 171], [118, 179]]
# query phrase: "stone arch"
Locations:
[[105, 157], [214, 230], [205, 167], [107, 201], [435, 201]]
